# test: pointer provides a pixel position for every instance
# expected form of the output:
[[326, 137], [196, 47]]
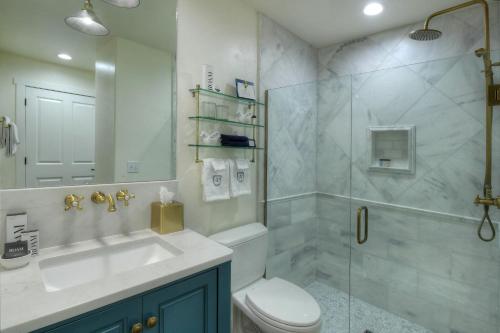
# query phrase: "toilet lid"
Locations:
[[284, 302]]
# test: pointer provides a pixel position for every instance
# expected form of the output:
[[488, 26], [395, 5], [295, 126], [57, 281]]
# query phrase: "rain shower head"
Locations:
[[425, 34]]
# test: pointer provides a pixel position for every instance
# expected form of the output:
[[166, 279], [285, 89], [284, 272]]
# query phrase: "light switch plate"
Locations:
[[133, 167]]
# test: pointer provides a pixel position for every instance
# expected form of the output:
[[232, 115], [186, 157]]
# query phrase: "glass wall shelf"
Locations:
[[252, 105], [229, 122], [223, 147], [226, 96]]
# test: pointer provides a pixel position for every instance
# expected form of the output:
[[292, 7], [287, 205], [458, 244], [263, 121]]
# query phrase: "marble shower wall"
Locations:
[[388, 79], [287, 61], [427, 267]]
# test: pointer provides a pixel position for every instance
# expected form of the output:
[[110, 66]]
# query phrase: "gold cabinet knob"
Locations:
[[151, 322], [124, 196], [137, 328], [73, 201]]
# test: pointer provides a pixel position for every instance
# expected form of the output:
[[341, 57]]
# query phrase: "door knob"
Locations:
[[137, 328], [151, 322]]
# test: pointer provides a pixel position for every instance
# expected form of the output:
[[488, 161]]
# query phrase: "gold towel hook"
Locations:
[[486, 218]]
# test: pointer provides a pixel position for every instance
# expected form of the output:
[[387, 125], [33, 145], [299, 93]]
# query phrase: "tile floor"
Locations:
[[365, 318]]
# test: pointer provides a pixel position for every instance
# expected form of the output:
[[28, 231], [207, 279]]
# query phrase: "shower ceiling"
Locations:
[[326, 22]]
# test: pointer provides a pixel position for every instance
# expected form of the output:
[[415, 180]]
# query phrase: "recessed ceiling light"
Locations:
[[64, 56], [373, 8], [124, 3]]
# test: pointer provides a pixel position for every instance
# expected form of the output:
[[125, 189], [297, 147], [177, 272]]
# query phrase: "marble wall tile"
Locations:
[[284, 59], [425, 267], [429, 268], [419, 310], [45, 209], [292, 141]]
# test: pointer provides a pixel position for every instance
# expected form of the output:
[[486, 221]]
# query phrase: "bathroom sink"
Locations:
[[71, 270]]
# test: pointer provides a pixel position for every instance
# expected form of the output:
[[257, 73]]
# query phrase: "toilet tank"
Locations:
[[249, 245]]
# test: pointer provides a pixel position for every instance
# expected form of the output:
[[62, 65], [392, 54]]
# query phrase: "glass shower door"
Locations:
[[308, 205], [417, 163]]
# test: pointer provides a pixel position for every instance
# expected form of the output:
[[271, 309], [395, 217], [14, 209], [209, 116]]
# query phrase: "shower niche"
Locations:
[[392, 149]]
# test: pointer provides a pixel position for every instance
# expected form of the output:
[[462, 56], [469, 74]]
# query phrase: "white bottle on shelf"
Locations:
[[208, 79]]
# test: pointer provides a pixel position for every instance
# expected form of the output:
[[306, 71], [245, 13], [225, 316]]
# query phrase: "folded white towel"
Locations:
[[4, 132], [14, 138], [9, 137], [215, 180], [240, 177]]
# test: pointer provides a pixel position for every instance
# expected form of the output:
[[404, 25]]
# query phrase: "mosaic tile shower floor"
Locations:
[[364, 317]]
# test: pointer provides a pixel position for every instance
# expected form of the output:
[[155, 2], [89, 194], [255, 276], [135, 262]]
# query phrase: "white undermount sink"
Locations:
[[70, 270]]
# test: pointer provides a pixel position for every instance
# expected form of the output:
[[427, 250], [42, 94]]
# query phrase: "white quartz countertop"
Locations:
[[25, 304]]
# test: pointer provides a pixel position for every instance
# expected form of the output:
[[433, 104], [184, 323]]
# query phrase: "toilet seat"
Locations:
[[284, 305]]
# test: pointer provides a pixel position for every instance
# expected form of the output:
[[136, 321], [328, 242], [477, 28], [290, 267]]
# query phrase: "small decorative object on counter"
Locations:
[[32, 237], [15, 249], [15, 225], [167, 215], [245, 89], [16, 255]]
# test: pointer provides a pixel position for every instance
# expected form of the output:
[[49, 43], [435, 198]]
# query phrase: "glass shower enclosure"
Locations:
[[371, 180]]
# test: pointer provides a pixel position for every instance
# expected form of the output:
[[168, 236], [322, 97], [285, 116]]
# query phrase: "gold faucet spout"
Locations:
[[111, 203], [100, 198]]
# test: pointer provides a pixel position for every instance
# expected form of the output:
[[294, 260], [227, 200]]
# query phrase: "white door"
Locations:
[[60, 138]]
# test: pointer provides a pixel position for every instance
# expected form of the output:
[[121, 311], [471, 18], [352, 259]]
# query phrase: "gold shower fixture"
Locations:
[[492, 98]]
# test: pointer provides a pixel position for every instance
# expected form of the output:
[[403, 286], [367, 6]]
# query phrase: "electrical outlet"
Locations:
[[133, 167]]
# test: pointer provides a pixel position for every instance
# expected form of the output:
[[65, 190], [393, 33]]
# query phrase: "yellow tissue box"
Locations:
[[167, 218]]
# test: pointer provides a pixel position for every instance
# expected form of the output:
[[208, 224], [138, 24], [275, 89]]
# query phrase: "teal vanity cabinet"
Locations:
[[197, 304]]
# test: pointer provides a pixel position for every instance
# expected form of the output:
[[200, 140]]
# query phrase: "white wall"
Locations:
[[14, 67], [143, 112], [105, 82], [222, 33]]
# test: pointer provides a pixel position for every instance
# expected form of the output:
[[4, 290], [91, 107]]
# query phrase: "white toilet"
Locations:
[[275, 305]]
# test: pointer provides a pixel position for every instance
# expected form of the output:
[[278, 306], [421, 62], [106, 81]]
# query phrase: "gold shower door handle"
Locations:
[[360, 215]]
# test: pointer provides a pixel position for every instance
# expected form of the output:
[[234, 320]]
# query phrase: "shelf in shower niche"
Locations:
[[235, 99], [224, 147], [225, 121], [392, 149]]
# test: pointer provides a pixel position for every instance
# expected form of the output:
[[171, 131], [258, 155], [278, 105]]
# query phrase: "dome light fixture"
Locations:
[[124, 3], [86, 21], [373, 9]]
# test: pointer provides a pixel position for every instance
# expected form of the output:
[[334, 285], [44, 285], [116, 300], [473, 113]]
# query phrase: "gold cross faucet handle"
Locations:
[[73, 201], [124, 196]]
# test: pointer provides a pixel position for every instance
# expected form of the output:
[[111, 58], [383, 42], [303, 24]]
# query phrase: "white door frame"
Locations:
[[21, 87]]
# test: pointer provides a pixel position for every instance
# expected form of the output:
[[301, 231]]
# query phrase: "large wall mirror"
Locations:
[[87, 92]]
